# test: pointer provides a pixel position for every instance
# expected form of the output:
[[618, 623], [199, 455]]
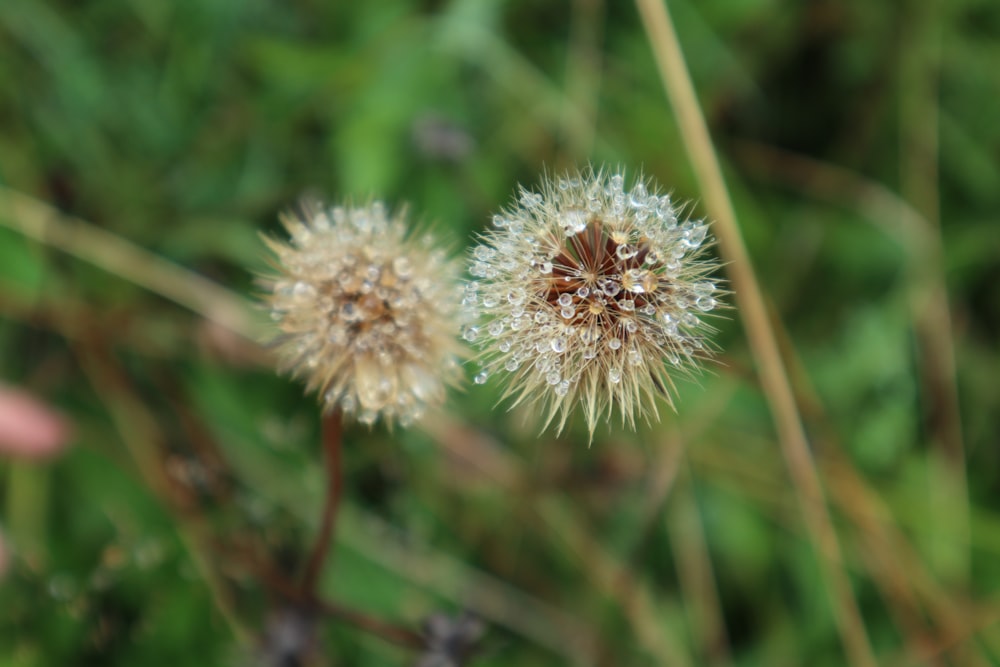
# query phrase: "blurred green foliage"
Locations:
[[187, 126]]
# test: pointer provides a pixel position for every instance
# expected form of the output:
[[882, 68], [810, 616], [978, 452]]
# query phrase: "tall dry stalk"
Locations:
[[763, 343]]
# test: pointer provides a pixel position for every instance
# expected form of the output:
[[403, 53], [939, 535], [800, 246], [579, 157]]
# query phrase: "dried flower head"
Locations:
[[593, 294], [367, 314]]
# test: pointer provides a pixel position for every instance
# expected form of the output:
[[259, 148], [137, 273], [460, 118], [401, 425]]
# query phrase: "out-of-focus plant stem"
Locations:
[[763, 344], [27, 506], [948, 497], [114, 254], [332, 438], [140, 433]]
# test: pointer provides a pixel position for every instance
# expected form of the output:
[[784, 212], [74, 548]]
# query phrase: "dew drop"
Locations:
[[303, 290], [639, 281], [637, 198], [617, 183], [284, 289], [349, 312], [694, 237], [626, 251], [664, 209], [546, 267], [609, 286], [573, 221], [530, 199], [558, 345], [512, 365], [703, 288], [481, 377], [705, 303], [301, 234], [495, 328], [321, 222], [614, 375], [515, 297], [402, 267], [470, 334], [614, 343]]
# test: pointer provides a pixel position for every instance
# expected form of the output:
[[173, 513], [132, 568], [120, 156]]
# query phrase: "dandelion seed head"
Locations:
[[367, 315], [594, 296]]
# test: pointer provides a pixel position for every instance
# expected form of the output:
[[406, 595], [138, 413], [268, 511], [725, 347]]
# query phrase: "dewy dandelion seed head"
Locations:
[[593, 294], [367, 315]]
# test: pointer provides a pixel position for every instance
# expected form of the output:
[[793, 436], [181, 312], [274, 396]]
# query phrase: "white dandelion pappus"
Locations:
[[367, 314], [592, 294]]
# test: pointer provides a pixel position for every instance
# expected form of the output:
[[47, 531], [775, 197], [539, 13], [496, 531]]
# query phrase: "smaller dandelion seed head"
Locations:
[[367, 314], [593, 294]]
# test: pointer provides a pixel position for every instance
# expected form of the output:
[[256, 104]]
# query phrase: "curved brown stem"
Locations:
[[390, 632], [332, 435]]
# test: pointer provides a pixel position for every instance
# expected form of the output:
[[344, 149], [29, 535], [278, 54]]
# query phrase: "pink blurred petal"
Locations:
[[28, 427]]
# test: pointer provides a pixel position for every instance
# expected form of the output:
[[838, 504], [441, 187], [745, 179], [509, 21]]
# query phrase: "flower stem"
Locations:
[[763, 343], [332, 437], [389, 632], [119, 256]]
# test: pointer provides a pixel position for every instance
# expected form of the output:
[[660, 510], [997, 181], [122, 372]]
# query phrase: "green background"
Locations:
[[845, 128]]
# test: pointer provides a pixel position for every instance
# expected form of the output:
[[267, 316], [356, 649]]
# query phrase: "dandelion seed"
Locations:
[[371, 315], [614, 291]]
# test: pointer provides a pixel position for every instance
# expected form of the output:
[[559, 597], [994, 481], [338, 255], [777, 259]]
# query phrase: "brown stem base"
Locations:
[[332, 436]]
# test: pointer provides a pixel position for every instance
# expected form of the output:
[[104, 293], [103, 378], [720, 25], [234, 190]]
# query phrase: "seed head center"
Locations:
[[598, 277]]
